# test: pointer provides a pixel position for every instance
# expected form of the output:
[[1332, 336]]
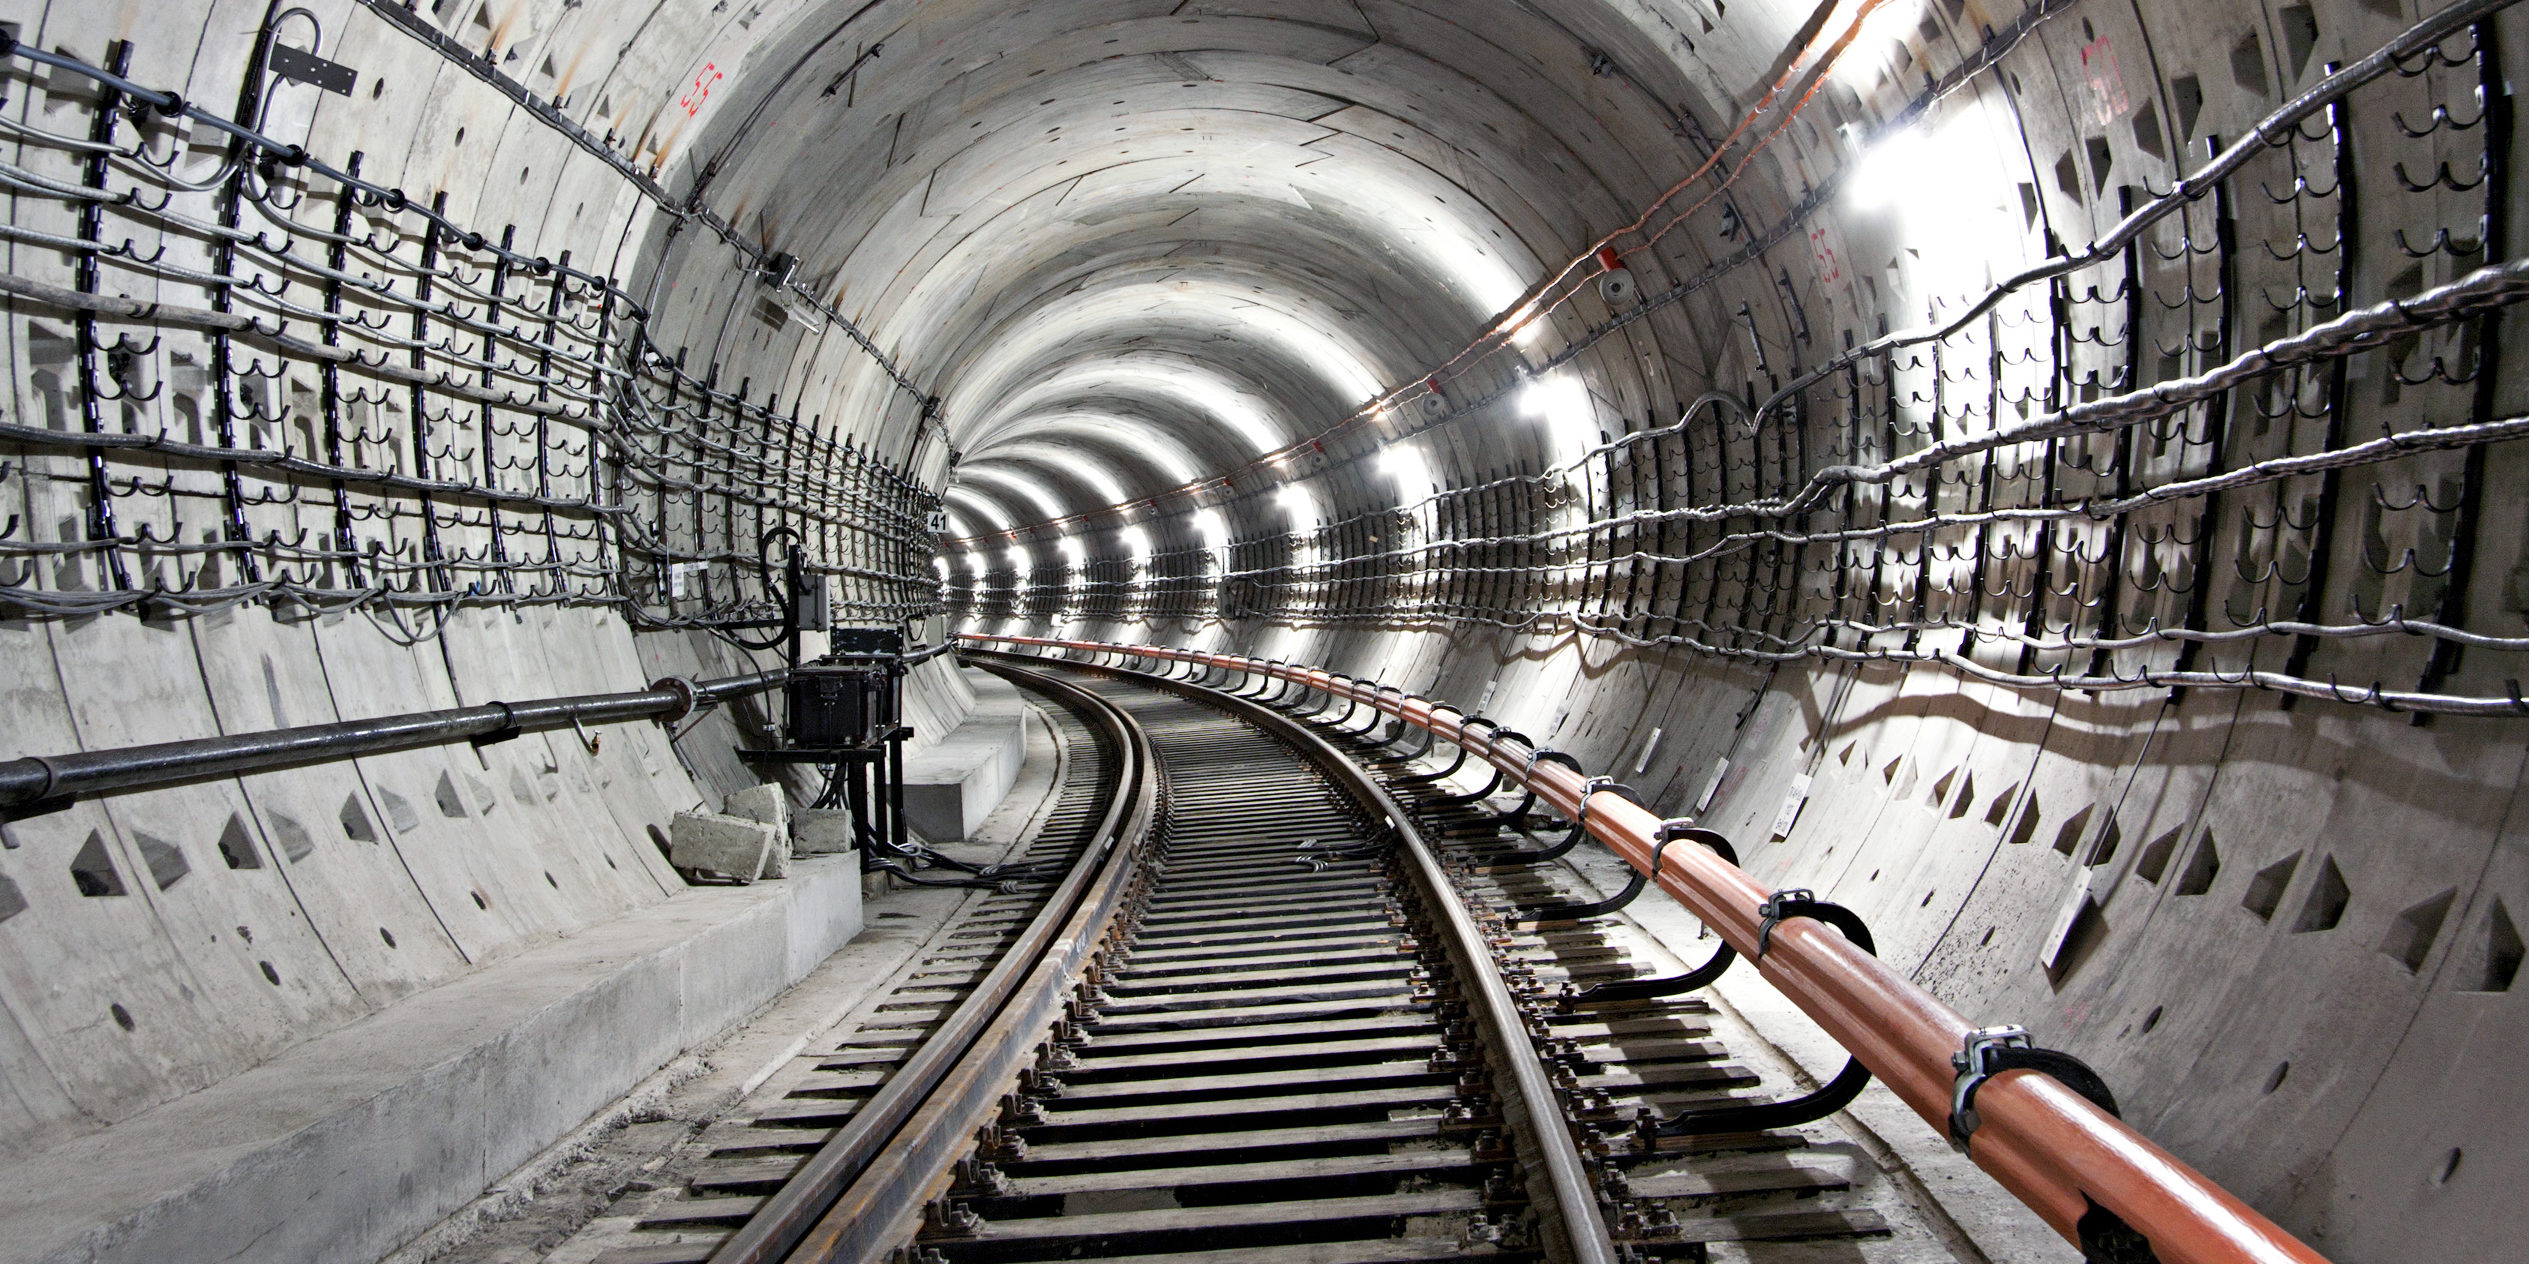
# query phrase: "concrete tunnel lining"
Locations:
[[1166, 283]]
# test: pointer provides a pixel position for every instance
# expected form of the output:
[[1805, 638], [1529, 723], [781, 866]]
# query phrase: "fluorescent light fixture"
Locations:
[[1561, 400], [1299, 504], [1904, 163], [1404, 462], [1214, 532]]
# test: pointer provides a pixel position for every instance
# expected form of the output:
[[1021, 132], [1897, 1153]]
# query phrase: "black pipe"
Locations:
[[47, 782]]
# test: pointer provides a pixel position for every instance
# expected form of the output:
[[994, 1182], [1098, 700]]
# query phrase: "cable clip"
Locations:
[[1782, 905], [1589, 790], [1990, 1051], [1683, 829]]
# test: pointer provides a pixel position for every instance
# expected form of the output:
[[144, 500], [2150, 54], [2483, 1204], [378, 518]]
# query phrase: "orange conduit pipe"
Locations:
[[2048, 1145]]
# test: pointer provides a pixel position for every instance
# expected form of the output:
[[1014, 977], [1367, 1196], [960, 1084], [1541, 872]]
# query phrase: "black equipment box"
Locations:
[[841, 704], [865, 641]]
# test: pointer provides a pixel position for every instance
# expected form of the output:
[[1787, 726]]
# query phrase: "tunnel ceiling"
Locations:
[[2042, 345], [1133, 247]]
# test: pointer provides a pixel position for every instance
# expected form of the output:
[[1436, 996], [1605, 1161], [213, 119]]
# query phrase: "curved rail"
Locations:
[[2049, 1146], [1550, 1148], [849, 1202]]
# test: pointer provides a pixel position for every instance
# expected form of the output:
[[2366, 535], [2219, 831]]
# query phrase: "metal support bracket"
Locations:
[[1701, 976], [1990, 1051], [1834, 1095]]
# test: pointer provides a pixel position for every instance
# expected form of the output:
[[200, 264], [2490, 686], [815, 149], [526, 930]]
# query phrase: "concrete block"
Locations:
[[820, 831], [727, 845], [766, 803], [953, 784]]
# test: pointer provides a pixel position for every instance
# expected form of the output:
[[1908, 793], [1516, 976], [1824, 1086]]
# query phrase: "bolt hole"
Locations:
[[610, 863], [377, 88], [123, 1019], [2449, 1166], [460, 136], [270, 975], [2282, 1072], [387, 935], [548, 880], [479, 901], [2151, 1020], [1988, 937]]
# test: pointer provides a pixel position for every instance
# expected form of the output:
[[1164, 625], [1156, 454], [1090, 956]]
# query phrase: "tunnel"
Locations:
[[2034, 479]]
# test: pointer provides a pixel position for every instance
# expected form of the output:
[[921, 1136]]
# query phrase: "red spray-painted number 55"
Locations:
[[694, 96]]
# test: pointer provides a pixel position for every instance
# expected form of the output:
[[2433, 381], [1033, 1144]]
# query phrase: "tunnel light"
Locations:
[[1299, 504], [975, 564], [1561, 400], [1021, 565], [1896, 166], [1214, 532], [1404, 463]]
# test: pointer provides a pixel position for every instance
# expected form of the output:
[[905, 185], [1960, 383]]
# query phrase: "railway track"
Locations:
[[1239, 1010]]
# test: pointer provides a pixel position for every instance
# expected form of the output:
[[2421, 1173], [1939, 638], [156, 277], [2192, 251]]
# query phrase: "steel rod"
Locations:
[[53, 779]]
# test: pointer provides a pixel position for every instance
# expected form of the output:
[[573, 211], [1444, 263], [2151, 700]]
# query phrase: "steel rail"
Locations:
[[2050, 1147], [44, 782], [1551, 1151], [851, 1200]]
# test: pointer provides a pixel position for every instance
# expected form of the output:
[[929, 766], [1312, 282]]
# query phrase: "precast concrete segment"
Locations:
[[2052, 1148]]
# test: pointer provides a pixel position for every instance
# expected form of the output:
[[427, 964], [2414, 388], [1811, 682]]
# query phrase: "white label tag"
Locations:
[[2065, 918], [1798, 795], [1647, 748], [1720, 769]]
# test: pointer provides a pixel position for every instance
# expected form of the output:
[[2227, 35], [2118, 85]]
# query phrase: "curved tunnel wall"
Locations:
[[1251, 325], [2292, 922]]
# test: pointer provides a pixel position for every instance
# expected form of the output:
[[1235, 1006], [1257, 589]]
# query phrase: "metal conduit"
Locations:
[[40, 783], [2049, 1146]]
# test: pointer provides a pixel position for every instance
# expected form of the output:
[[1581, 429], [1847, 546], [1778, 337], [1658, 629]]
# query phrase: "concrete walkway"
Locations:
[[348, 1144]]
